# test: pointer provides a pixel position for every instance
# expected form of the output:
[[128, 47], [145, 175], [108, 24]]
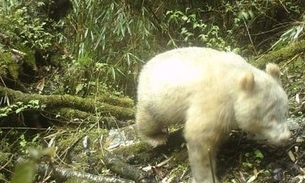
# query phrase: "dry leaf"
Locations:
[[297, 98], [291, 156], [40, 85]]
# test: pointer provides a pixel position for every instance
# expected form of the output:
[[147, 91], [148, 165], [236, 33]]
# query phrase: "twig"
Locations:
[[289, 61], [61, 172]]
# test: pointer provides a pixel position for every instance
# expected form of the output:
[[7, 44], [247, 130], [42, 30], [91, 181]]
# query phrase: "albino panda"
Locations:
[[211, 92]]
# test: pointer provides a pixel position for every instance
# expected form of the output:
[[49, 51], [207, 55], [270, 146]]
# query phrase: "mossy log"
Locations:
[[281, 55], [121, 108]]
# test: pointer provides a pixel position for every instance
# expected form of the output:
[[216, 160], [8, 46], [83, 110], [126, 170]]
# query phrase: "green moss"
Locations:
[[10, 65]]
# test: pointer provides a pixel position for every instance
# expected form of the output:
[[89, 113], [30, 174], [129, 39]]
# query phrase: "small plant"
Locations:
[[22, 28], [19, 107], [193, 29], [253, 159], [22, 34], [25, 145]]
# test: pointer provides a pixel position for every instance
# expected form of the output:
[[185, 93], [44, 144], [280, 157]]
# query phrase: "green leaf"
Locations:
[[24, 173], [247, 165], [79, 87], [258, 154], [20, 110], [34, 102]]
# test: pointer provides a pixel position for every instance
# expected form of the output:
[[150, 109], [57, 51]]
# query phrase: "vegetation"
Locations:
[[69, 66]]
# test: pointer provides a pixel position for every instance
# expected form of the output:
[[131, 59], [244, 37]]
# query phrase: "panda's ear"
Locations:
[[246, 81], [274, 71]]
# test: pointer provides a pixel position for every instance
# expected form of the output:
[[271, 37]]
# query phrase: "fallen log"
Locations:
[[89, 105], [281, 55]]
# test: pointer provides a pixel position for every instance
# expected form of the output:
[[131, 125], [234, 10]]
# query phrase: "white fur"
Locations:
[[211, 92]]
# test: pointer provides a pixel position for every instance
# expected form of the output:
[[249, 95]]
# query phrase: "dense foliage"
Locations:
[[108, 41]]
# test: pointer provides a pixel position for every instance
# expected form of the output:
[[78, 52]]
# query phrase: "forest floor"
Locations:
[[89, 153]]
